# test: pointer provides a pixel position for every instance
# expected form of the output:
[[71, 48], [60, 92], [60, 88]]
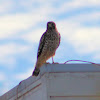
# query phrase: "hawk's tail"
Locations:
[[36, 72]]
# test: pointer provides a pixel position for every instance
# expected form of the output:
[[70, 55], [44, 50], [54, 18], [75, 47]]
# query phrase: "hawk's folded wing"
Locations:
[[41, 44]]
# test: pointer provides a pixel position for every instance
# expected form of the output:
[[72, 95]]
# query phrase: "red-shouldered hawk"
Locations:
[[49, 42]]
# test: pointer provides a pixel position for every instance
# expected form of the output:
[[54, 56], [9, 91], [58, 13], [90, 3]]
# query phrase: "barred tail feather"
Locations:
[[36, 72]]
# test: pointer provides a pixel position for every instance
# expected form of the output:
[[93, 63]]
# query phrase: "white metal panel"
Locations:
[[73, 84], [75, 98], [33, 94]]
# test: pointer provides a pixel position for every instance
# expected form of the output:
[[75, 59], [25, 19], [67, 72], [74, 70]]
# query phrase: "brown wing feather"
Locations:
[[41, 44]]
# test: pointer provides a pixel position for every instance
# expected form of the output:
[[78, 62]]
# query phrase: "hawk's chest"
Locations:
[[52, 39], [52, 36]]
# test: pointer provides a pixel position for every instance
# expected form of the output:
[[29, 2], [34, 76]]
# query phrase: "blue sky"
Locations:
[[22, 22]]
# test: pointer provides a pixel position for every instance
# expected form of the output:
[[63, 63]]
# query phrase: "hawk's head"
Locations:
[[51, 25]]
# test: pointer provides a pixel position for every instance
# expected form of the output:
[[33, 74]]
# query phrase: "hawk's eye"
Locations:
[[49, 24], [53, 25]]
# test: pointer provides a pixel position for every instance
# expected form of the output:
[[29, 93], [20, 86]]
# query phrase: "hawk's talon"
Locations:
[[55, 63], [47, 63]]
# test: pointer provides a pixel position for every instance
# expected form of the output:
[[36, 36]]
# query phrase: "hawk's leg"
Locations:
[[53, 60]]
